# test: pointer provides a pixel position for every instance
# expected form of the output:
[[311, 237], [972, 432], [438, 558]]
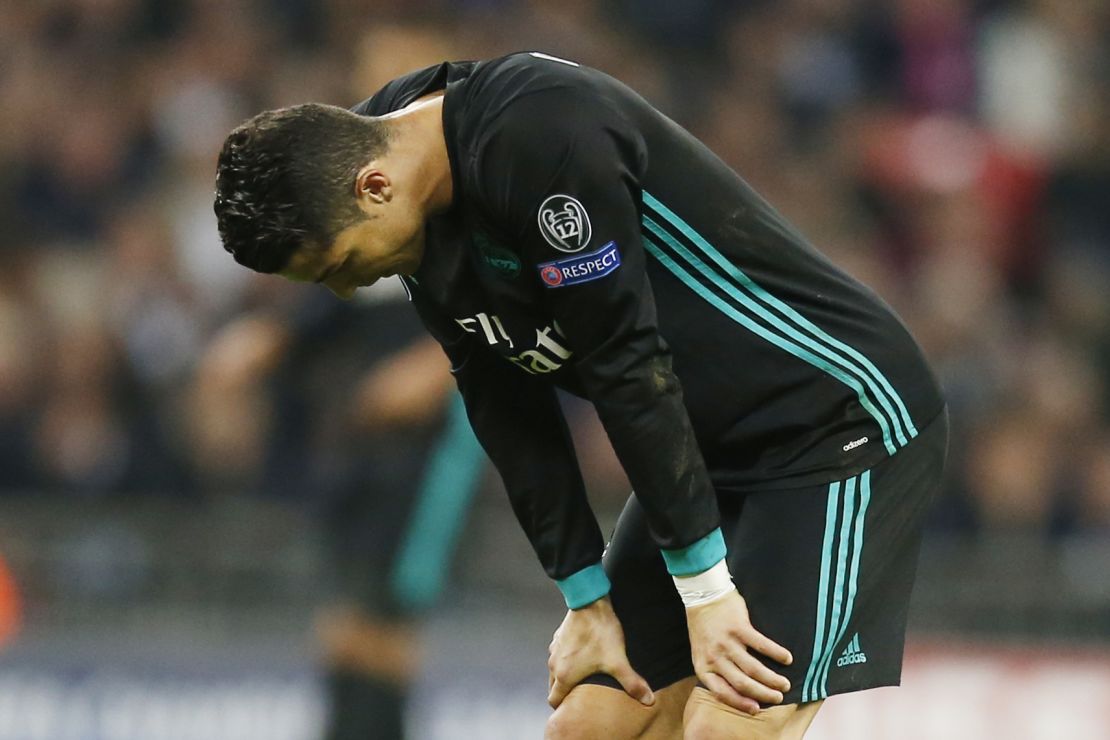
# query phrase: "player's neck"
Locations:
[[418, 145]]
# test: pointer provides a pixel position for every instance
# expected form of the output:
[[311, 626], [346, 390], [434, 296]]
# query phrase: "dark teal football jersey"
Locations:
[[594, 245]]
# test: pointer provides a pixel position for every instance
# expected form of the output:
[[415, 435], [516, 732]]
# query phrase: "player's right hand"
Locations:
[[721, 639], [590, 640]]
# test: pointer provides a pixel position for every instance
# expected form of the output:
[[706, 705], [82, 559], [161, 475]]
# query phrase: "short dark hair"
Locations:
[[285, 178]]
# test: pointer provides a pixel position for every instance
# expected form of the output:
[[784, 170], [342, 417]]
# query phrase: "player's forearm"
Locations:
[[519, 424], [650, 430]]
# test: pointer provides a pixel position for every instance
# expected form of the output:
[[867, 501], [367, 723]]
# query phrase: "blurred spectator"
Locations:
[[937, 54], [20, 361], [1093, 515]]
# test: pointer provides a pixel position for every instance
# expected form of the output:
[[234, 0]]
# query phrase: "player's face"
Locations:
[[391, 243]]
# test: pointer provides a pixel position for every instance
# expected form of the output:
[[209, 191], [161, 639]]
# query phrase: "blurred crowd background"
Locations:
[[173, 428]]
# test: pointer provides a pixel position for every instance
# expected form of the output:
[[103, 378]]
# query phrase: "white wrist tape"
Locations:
[[705, 587]]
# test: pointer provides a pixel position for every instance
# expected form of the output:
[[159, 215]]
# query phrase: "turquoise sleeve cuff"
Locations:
[[584, 587], [698, 557]]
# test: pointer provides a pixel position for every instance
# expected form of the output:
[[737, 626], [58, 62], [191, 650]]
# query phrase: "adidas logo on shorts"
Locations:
[[852, 654]]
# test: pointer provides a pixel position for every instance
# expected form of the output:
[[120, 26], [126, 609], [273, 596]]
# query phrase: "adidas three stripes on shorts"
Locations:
[[826, 571]]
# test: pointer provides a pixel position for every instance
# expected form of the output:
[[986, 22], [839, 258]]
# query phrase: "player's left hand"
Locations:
[[590, 640], [721, 638]]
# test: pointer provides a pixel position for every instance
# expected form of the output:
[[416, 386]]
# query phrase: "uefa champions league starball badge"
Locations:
[[564, 223]]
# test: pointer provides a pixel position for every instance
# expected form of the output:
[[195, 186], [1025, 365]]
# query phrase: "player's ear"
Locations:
[[372, 186]]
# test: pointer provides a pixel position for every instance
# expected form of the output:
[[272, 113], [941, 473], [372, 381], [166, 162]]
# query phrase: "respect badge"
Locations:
[[581, 269]]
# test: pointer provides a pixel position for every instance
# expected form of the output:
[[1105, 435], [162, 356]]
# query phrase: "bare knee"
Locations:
[[705, 718], [570, 722], [702, 725], [699, 718], [592, 712], [584, 715]]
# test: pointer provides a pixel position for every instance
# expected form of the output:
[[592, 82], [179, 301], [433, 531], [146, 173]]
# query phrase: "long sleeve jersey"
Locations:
[[594, 245]]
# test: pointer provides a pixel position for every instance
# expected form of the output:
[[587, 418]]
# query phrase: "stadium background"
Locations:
[[163, 564]]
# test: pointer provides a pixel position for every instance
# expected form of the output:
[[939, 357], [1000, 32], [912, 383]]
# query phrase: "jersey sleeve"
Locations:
[[519, 423], [561, 168], [402, 90]]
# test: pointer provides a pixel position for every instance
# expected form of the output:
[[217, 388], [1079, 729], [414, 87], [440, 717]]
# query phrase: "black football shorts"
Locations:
[[826, 572]]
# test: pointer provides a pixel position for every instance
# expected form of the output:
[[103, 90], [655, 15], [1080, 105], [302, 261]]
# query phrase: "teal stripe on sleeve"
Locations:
[[749, 323], [584, 587], [450, 482], [698, 557], [872, 374], [808, 687]]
